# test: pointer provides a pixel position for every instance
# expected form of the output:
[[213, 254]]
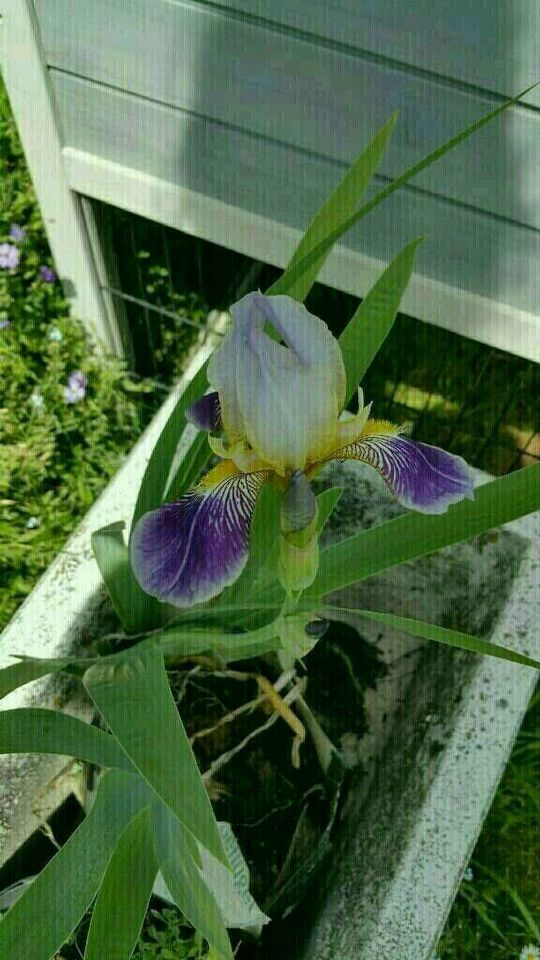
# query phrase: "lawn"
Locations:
[[67, 418]]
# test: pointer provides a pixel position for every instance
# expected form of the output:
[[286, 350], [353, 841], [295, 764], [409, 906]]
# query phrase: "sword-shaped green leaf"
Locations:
[[154, 483], [125, 891], [369, 327], [292, 278], [37, 730], [341, 204], [415, 534], [136, 610], [40, 922], [451, 638], [133, 696], [184, 881]]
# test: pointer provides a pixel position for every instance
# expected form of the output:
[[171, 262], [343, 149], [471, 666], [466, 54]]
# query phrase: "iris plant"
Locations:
[[276, 416]]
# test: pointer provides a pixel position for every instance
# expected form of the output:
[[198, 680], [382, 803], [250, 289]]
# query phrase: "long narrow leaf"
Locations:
[[184, 881], [136, 610], [124, 895], [190, 468], [327, 502], [154, 482], [367, 330], [295, 273], [341, 204], [452, 638], [414, 534], [24, 671], [132, 694], [40, 922], [262, 562], [36, 730]]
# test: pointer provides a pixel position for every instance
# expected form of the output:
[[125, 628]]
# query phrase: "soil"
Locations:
[[282, 815]]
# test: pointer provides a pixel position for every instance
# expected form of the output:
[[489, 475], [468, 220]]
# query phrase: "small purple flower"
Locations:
[[4, 324], [76, 387], [9, 256], [47, 274], [17, 232]]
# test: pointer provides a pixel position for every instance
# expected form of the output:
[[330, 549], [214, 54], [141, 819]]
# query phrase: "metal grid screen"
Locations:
[[469, 398]]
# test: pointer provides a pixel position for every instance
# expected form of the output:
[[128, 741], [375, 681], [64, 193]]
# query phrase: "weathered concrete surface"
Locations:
[[442, 727]]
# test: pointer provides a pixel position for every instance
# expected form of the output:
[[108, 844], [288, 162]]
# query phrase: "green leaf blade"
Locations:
[[132, 694], [369, 327], [37, 730], [341, 204], [190, 468], [124, 894], [444, 635], [184, 881], [295, 272], [136, 610], [414, 534], [24, 671], [154, 482], [40, 922]]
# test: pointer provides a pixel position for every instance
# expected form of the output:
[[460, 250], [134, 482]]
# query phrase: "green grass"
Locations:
[[54, 461], [165, 936], [498, 912]]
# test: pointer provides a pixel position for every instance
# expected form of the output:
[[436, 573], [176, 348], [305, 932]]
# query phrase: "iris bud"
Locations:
[[298, 542]]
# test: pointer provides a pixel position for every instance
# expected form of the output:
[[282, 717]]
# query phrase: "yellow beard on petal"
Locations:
[[373, 427], [222, 471]]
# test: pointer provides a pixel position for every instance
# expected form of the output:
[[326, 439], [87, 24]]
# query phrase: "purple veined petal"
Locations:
[[422, 477], [186, 552], [205, 414]]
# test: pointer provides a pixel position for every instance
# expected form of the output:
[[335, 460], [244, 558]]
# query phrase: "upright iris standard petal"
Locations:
[[422, 477], [186, 552], [205, 414], [282, 398]]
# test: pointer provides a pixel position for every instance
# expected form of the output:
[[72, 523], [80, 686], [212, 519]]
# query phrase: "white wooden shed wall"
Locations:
[[232, 121]]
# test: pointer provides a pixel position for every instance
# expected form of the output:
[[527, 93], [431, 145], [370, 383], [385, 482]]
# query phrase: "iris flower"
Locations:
[[276, 415]]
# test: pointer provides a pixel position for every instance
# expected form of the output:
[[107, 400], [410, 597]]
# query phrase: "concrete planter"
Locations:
[[442, 723]]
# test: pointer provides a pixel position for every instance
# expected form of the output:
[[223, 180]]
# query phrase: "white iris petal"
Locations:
[[284, 399]]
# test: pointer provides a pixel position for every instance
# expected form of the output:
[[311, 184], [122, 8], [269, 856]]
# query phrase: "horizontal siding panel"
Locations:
[[492, 44], [465, 249], [301, 93]]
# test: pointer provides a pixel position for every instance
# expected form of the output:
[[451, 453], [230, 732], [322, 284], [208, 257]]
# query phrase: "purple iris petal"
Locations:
[[17, 232], [422, 477], [47, 274], [186, 552], [205, 413], [9, 256], [4, 324]]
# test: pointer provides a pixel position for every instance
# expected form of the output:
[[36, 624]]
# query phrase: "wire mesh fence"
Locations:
[[471, 399]]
